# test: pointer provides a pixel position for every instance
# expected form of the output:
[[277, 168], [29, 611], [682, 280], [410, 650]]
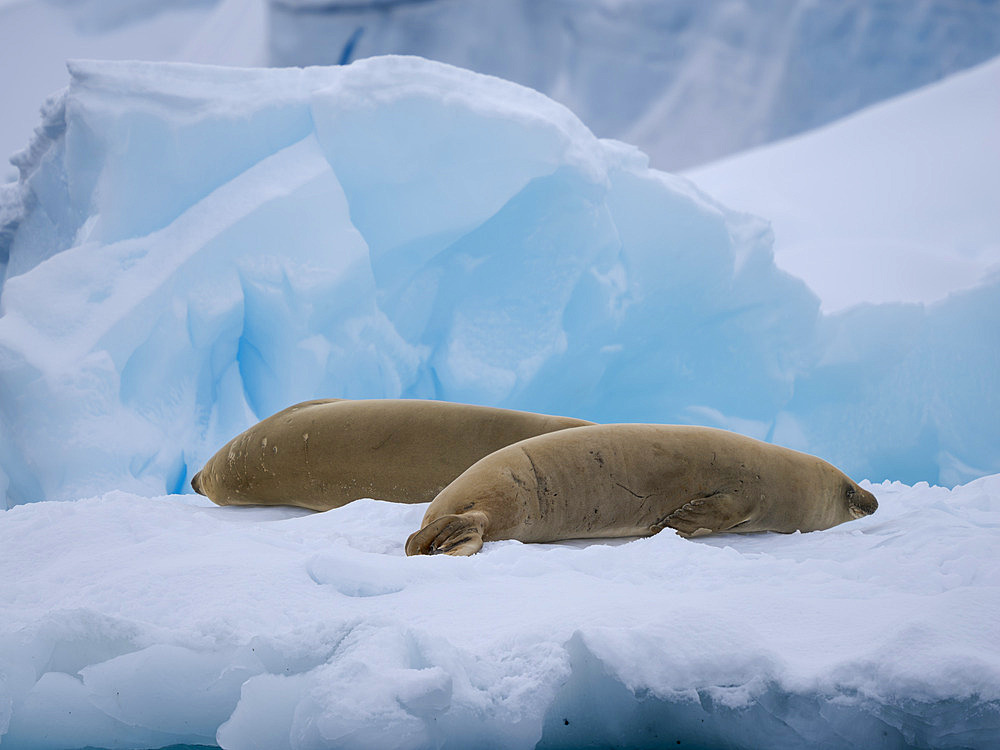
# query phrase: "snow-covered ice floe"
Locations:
[[190, 249], [134, 622]]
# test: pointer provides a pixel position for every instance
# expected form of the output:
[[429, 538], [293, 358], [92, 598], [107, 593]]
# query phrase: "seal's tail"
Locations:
[[452, 534]]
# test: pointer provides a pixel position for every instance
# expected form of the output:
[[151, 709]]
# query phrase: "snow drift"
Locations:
[[138, 622], [190, 249]]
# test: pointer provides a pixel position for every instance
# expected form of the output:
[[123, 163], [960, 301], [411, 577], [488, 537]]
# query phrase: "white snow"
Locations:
[[896, 203], [193, 248], [127, 621]]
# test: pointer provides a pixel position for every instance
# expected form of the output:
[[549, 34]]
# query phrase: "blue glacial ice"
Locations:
[[190, 249]]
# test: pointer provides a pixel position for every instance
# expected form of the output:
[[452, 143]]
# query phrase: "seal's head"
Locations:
[[821, 497], [860, 503]]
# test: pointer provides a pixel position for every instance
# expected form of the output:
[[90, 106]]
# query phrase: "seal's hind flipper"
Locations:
[[453, 534], [708, 515]]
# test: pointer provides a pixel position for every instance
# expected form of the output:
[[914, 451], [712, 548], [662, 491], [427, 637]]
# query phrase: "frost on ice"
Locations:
[[190, 249]]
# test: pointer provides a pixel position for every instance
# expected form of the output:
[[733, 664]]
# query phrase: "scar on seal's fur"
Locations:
[[695, 480]]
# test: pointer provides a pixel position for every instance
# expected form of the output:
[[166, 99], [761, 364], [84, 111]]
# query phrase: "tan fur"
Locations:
[[324, 454], [634, 480]]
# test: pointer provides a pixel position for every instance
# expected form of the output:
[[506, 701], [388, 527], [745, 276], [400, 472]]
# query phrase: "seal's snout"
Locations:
[[863, 503], [196, 483]]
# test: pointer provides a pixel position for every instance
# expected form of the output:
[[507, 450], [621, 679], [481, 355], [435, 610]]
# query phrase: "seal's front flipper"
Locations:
[[453, 534], [708, 515]]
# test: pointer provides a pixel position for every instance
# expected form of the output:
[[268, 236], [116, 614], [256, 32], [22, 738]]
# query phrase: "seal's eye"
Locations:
[[851, 493]]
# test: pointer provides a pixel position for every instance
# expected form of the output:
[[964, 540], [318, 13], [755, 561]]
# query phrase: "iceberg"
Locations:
[[191, 248], [686, 81]]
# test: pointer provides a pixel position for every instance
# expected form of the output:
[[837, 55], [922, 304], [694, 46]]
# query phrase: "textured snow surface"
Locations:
[[687, 81], [134, 622], [191, 249]]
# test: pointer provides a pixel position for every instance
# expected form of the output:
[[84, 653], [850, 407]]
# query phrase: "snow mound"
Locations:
[[134, 622], [687, 81], [192, 248]]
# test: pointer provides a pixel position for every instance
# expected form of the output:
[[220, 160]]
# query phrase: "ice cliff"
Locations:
[[192, 248]]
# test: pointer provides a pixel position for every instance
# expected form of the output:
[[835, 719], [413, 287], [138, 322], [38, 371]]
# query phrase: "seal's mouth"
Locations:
[[863, 504]]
